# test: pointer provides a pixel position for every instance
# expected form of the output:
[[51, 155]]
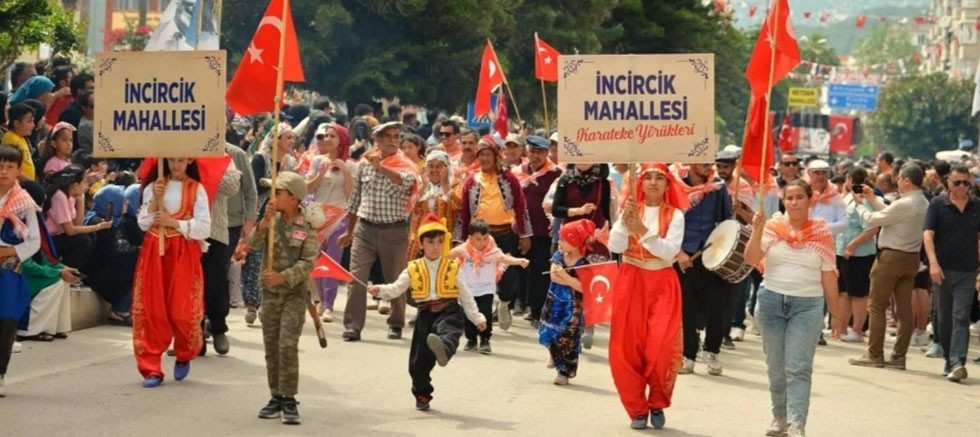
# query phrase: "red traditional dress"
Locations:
[[168, 301], [645, 342]]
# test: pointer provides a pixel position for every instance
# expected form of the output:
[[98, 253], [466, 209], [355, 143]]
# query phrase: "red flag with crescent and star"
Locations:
[[253, 88], [777, 36], [327, 268], [597, 285], [545, 60], [491, 77]]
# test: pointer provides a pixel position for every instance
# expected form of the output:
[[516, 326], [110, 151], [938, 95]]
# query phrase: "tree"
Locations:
[[919, 116], [886, 44], [815, 48], [25, 24]]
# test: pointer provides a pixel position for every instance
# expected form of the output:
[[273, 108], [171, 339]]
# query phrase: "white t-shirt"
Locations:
[[794, 272], [331, 187], [480, 281]]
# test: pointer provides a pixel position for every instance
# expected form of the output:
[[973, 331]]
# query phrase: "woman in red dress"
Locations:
[[168, 301], [645, 342]]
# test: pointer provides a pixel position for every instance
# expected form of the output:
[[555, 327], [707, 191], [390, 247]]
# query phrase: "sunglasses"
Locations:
[[960, 183], [445, 134], [790, 163], [320, 137]]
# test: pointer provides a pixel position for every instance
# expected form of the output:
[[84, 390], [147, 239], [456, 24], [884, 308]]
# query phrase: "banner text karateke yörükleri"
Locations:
[[180, 92], [622, 108]]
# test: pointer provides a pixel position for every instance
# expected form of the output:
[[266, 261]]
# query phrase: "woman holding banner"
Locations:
[[645, 341], [168, 290]]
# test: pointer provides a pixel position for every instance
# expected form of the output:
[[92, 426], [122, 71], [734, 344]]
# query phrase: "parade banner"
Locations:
[[636, 108], [165, 104]]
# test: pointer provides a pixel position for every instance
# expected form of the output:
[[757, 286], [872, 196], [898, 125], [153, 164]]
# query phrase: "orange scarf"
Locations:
[[814, 235], [697, 193], [491, 253], [401, 163], [829, 195], [532, 179], [19, 203], [745, 193]]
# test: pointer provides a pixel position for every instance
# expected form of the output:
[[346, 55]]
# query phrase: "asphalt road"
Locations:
[[88, 385]]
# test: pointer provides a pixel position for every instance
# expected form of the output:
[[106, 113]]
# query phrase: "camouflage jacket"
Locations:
[[294, 254]]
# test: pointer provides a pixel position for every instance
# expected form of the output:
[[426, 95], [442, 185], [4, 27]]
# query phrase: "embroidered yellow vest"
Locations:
[[418, 275]]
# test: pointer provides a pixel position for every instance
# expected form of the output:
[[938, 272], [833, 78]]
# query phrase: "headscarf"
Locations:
[[132, 197], [595, 173], [675, 195], [580, 234], [114, 194], [487, 142], [32, 89], [343, 148]]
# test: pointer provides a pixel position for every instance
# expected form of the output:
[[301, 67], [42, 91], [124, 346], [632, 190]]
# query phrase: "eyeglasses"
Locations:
[[790, 163], [960, 183], [446, 134], [320, 137]]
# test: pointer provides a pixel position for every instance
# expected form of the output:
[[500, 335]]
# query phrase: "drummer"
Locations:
[[743, 196], [828, 204], [703, 292]]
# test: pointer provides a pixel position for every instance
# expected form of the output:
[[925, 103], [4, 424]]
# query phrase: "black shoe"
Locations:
[[351, 335], [727, 343], [821, 341], [290, 413], [394, 333], [221, 345], [422, 403], [485, 347], [528, 317], [272, 409], [470, 346]]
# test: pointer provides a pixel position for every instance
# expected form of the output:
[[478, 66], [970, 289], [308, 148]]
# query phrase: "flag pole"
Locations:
[[544, 101], [161, 233], [275, 124], [200, 15], [765, 122]]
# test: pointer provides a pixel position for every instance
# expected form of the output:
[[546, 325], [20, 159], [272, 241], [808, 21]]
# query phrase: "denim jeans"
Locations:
[[790, 328], [954, 300]]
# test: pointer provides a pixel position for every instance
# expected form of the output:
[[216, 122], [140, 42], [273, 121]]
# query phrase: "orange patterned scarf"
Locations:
[[491, 253], [401, 163], [814, 235], [532, 179], [19, 204], [829, 195]]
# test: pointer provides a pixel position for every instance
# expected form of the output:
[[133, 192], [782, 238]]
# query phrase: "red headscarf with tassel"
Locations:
[[675, 197]]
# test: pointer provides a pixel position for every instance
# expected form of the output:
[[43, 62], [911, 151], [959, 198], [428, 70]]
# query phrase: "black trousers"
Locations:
[[703, 294], [537, 282], [215, 263], [75, 250], [448, 325], [485, 305], [8, 333], [508, 286]]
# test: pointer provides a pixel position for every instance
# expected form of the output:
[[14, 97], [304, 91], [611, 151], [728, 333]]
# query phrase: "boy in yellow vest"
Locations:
[[442, 301]]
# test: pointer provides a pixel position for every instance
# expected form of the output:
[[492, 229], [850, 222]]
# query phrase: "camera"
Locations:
[[857, 188]]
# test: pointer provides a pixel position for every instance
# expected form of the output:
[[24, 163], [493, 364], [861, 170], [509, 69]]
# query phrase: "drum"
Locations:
[[724, 251]]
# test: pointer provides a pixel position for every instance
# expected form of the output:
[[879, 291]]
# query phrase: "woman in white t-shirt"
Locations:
[[330, 181], [799, 275]]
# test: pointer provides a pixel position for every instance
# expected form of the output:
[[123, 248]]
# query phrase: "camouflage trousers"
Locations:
[[282, 318]]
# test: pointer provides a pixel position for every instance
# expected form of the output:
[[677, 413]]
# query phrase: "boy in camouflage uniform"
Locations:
[[285, 292]]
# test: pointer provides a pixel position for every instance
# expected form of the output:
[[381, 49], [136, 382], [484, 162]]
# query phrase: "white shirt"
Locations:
[[395, 289], [834, 213], [793, 272], [197, 228], [663, 248], [331, 188], [479, 281], [32, 242]]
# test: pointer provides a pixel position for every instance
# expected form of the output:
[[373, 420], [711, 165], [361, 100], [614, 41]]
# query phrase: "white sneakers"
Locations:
[[958, 374], [561, 380], [975, 328], [504, 317], [18, 347], [852, 337], [714, 366], [920, 338], [795, 430], [737, 334], [687, 367], [778, 427], [326, 316]]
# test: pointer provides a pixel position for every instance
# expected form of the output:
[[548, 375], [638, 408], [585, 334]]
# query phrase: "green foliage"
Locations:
[[25, 24], [816, 48], [885, 44], [920, 116]]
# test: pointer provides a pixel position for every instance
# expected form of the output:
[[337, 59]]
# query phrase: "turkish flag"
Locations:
[[545, 61], [841, 133], [752, 10], [500, 124], [776, 35], [491, 77], [253, 89], [211, 170], [327, 268], [598, 282], [786, 136], [861, 19], [752, 144]]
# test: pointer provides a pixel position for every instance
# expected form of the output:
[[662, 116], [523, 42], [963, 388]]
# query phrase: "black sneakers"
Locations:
[[290, 413], [470, 346], [272, 409], [422, 403]]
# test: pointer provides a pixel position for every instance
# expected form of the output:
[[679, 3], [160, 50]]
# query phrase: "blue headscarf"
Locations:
[[31, 89], [113, 194], [133, 199]]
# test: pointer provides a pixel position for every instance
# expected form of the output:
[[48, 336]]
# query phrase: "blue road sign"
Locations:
[[485, 120], [860, 97]]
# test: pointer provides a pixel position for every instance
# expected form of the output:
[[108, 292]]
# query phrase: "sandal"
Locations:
[[45, 337], [117, 319], [61, 335]]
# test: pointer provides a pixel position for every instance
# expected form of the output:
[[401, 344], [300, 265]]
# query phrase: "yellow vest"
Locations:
[[418, 275]]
